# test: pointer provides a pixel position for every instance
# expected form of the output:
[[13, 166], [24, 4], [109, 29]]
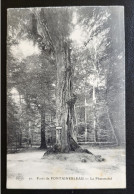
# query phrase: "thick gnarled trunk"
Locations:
[[65, 110], [65, 99]]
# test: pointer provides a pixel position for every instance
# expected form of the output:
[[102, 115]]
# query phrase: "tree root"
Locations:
[[74, 147], [55, 150], [43, 147]]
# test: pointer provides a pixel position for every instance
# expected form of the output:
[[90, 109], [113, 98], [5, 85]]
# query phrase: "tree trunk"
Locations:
[[43, 139], [20, 138], [116, 136], [85, 119], [16, 141], [65, 99], [94, 109], [66, 130]]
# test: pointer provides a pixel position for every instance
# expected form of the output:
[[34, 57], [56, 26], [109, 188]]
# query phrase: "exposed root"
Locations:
[[43, 147], [55, 150], [74, 147]]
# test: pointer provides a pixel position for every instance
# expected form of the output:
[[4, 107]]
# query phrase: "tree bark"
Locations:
[[43, 139], [65, 99]]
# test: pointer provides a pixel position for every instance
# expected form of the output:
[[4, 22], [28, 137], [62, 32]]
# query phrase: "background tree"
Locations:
[[12, 123], [33, 75], [95, 43]]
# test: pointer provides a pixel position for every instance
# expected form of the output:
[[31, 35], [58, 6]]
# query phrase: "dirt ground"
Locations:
[[30, 170]]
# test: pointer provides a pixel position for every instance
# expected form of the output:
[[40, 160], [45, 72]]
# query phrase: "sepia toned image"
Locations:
[[66, 98]]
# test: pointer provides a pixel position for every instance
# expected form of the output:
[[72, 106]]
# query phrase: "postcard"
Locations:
[[66, 98]]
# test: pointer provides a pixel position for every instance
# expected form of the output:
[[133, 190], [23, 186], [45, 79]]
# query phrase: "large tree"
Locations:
[[56, 26]]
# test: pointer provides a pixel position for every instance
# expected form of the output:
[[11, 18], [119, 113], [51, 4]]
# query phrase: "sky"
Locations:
[[15, 95], [24, 49]]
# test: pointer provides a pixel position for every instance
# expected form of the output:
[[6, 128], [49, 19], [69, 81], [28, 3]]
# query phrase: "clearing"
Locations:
[[29, 170]]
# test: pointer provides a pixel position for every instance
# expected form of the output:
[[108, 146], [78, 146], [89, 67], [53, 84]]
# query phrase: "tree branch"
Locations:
[[41, 28]]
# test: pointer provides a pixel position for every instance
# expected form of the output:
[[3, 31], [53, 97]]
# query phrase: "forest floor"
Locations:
[[28, 169]]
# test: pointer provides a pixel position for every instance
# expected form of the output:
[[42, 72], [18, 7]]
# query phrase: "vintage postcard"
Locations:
[[66, 98]]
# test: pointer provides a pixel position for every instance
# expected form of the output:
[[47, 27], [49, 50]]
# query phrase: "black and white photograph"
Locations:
[[66, 98]]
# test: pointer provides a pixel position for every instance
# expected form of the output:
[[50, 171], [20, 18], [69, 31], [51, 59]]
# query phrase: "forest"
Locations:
[[65, 78]]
